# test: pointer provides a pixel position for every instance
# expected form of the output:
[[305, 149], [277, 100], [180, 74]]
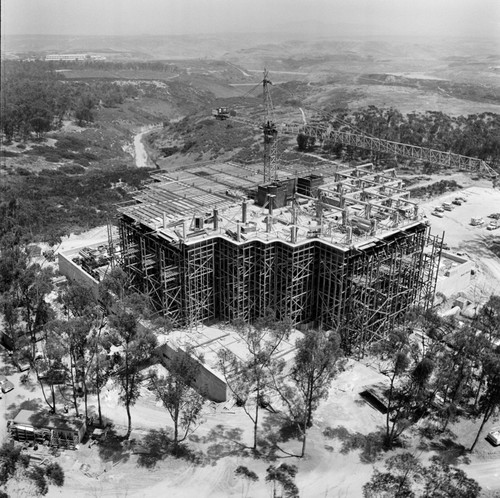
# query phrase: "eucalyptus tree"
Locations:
[[318, 360], [176, 393], [248, 378], [136, 345]]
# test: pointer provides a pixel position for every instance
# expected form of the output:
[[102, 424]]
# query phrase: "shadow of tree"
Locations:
[[28, 382], [223, 449], [7, 368], [450, 451], [13, 409], [371, 445], [112, 448], [157, 445], [277, 428], [220, 432], [226, 442]]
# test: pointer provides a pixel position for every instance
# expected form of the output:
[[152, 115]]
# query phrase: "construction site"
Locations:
[[335, 247], [343, 250]]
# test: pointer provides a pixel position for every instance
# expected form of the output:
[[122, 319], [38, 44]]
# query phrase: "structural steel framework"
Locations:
[[448, 159], [359, 274]]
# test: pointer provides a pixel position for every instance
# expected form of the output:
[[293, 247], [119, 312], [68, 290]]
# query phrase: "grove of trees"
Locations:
[[85, 340], [476, 135], [36, 99]]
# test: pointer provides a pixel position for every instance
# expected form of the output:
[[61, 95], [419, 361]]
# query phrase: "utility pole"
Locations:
[[270, 133]]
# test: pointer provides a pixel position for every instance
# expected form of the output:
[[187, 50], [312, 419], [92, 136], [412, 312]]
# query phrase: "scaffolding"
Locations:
[[355, 259]]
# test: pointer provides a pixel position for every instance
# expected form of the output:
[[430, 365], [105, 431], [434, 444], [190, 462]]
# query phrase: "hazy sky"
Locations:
[[163, 17]]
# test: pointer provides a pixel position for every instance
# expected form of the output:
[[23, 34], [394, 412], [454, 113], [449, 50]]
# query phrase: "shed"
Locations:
[[41, 427]]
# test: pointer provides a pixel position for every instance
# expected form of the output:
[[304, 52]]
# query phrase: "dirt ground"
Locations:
[[111, 470], [473, 241]]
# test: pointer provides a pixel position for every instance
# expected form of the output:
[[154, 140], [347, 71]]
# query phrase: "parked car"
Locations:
[[437, 213], [439, 209], [494, 436], [5, 384], [477, 221], [22, 365], [457, 202], [493, 226]]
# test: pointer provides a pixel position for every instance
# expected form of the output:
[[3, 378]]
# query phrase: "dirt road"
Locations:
[[141, 155]]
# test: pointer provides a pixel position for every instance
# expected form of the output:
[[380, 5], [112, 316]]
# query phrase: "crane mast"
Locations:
[[270, 133]]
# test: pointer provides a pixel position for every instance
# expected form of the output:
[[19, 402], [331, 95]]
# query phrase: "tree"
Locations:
[[83, 111], [18, 476], [55, 473], [248, 378], [403, 471], [11, 459], [177, 395], [136, 345], [406, 477], [247, 475], [305, 142], [48, 361], [489, 404], [82, 333], [457, 366], [100, 369], [317, 361], [40, 125], [34, 284], [409, 375], [283, 477], [444, 481]]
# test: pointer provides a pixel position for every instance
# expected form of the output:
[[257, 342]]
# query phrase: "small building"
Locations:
[[454, 274], [45, 428]]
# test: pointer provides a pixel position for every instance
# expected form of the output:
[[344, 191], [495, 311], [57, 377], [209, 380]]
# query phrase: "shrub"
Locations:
[[169, 151], [23, 172], [72, 169], [8, 153], [188, 145], [36, 474], [69, 142], [55, 473]]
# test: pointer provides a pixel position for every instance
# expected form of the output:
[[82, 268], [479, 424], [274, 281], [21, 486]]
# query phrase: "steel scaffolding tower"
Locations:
[[357, 258]]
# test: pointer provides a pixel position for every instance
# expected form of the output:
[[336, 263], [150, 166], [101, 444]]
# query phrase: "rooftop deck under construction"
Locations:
[[344, 249]]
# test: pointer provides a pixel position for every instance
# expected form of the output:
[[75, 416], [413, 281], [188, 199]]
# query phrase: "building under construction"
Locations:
[[344, 249]]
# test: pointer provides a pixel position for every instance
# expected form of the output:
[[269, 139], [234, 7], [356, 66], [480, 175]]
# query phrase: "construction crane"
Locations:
[[268, 127], [324, 132], [270, 133], [359, 140]]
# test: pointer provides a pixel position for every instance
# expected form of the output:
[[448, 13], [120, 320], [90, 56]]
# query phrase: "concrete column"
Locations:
[[216, 219], [244, 212], [349, 235], [270, 203]]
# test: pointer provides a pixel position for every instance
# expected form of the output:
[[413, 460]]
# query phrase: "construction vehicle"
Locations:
[[221, 113]]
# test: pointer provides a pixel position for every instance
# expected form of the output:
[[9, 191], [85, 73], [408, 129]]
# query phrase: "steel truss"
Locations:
[[448, 159]]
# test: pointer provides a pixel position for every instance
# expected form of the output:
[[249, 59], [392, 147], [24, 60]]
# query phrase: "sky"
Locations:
[[165, 17]]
